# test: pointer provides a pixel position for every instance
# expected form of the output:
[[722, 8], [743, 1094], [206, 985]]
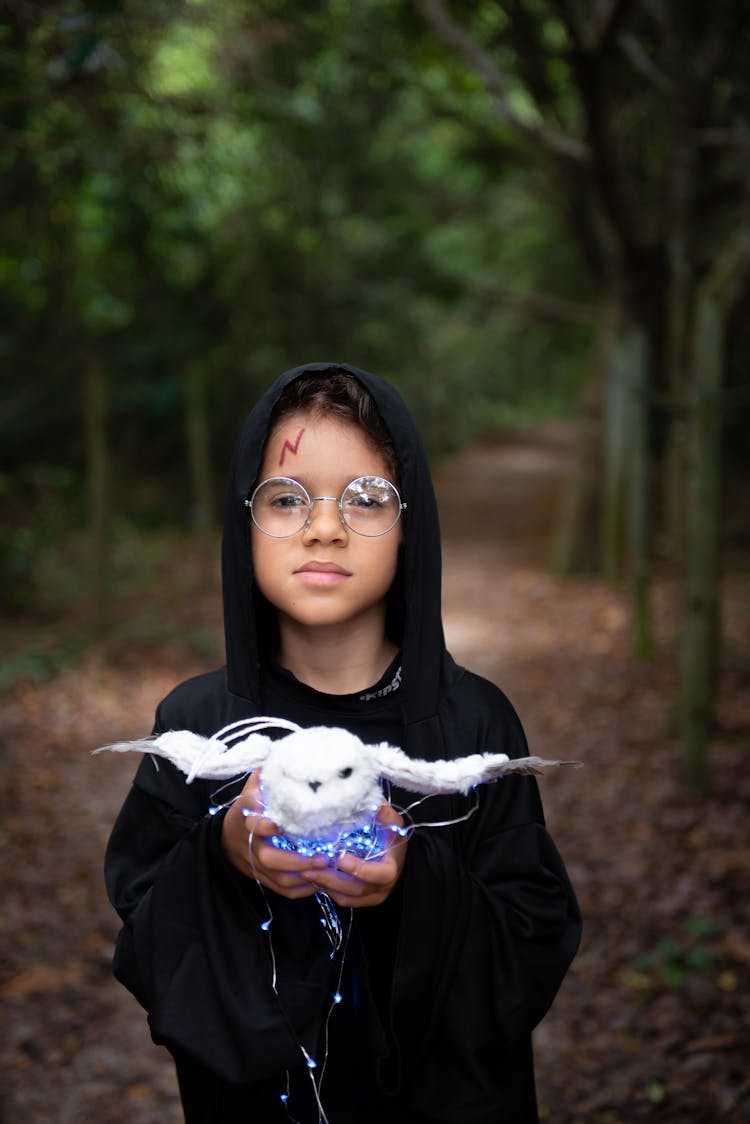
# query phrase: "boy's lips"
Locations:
[[322, 573], [322, 568]]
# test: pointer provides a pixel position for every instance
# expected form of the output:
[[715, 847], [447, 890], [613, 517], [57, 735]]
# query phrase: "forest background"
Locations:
[[515, 211], [512, 210]]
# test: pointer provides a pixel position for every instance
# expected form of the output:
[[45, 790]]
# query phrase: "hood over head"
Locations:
[[418, 616]]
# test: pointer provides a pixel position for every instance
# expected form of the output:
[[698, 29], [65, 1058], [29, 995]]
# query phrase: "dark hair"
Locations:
[[340, 395]]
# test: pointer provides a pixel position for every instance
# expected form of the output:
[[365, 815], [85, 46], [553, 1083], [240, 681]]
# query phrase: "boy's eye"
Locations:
[[366, 501], [347, 772], [288, 499]]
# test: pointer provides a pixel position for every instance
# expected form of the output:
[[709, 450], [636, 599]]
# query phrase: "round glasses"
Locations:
[[369, 506]]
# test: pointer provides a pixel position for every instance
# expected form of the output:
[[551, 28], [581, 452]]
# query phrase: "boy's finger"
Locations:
[[387, 815], [257, 824], [276, 859], [375, 872]]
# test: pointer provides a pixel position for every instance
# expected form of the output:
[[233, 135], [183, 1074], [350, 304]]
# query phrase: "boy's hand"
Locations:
[[243, 838], [364, 882], [355, 882]]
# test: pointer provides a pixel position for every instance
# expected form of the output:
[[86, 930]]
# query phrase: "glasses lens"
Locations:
[[370, 506], [280, 507]]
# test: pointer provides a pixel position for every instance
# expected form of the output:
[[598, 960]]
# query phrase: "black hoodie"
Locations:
[[446, 980]]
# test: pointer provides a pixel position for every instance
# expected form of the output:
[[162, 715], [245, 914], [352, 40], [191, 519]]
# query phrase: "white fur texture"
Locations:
[[320, 778], [323, 778]]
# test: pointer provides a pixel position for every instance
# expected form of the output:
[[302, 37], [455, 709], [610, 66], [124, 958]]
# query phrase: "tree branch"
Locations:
[[591, 60], [601, 25], [730, 270], [524, 35], [540, 306], [556, 143], [608, 20], [643, 64]]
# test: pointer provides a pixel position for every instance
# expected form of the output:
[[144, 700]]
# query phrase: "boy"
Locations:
[[455, 942]]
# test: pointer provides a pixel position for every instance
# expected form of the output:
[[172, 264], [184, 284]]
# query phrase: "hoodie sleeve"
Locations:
[[489, 926], [191, 948]]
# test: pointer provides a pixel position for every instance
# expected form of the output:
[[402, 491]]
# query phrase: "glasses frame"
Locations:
[[312, 500]]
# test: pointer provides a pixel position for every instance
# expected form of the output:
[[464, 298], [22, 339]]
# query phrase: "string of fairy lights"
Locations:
[[367, 841]]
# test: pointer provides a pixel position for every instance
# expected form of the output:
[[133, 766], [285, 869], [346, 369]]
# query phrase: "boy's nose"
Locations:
[[314, 785], [325, 520]]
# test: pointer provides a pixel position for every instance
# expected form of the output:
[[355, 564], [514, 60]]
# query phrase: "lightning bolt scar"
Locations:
[[292, 448]]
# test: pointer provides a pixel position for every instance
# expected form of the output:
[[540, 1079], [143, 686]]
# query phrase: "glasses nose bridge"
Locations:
[[311, 512]]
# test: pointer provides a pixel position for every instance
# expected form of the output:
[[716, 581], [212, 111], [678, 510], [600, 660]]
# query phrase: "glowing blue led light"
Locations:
[[247, 812], [311, 1063], [337, 997], [284, 1097], [364, 842], [265, 925], [213, 809]]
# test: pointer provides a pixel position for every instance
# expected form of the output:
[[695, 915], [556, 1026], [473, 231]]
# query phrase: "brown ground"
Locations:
[[652, 1021]]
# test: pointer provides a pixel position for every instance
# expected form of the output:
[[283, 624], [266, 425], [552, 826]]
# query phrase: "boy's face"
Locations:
[[325, 574]]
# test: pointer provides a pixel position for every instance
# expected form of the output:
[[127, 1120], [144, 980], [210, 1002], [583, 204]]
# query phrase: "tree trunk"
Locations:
[[97, 459], [626, 511], [576, 542], [701, 635], [198, 451], [679, 297], [617, 409], [701, 630], [701, 622], [638, 488], [614, 432]]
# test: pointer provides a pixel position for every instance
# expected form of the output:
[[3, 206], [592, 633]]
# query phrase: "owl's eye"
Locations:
[[347, 772]]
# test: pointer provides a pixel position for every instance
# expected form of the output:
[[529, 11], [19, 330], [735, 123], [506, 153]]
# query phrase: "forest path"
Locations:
[[651, 1022], [499, 507], [653, 1018], [505, 493]]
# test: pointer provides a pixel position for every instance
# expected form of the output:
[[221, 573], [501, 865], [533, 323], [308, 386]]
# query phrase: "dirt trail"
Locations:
[[651, 1023]]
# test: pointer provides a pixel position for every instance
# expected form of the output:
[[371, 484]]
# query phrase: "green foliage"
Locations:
[[257, 184], [36, 662], [655, 1092], [674, 958], [37, 506], [201, 193]]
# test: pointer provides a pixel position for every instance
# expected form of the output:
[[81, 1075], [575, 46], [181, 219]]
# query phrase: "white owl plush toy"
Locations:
[[322, 785]]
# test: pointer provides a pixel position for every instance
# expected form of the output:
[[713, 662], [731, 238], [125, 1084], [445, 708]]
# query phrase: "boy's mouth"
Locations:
[[322, 573]]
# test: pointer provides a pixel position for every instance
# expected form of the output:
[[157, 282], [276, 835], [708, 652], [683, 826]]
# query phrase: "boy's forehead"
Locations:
[[310, 443]]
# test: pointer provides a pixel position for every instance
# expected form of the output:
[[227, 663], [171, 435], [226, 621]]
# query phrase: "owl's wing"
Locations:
[[458, 775], [535, 765], [197, 756]]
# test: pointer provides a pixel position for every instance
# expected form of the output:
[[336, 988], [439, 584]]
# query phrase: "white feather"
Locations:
[[322, 779], [457, 775], [197, 756], [440, 776]]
